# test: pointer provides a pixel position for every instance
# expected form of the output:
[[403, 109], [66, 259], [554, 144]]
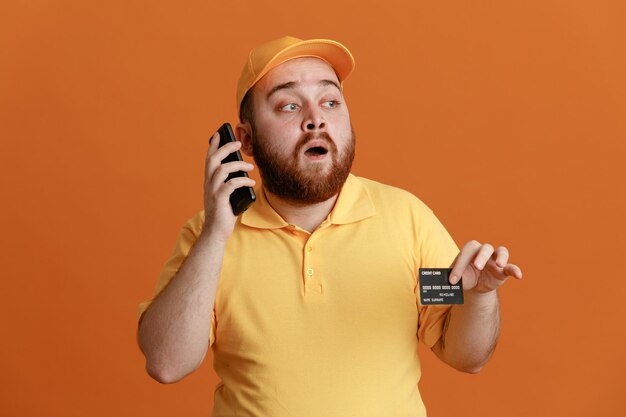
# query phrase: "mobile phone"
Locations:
[[242, 197]]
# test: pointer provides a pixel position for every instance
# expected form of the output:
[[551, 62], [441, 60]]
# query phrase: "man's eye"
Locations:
[[290, 107], [331, 103]]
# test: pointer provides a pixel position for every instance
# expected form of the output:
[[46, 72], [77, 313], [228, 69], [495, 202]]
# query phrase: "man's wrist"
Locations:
[[479, 297], [208, 235]]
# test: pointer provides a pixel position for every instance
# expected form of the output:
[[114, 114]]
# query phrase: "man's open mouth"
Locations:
[[316, 148], [316, 151]]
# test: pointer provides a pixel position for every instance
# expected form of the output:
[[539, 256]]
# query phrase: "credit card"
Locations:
[[436, 289]]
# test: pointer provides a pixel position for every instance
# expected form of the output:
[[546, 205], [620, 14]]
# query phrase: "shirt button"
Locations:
[[310, 271], [309, 249]]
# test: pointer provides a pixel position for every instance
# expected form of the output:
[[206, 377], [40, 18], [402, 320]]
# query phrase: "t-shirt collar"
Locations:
[[353, 204]]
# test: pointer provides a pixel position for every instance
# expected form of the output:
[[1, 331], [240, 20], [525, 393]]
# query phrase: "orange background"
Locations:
[[506, 118]]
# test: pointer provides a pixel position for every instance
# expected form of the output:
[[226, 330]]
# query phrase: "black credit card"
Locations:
[[436, 289]]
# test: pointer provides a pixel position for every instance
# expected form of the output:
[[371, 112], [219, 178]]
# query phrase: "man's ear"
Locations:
[[243, 133]]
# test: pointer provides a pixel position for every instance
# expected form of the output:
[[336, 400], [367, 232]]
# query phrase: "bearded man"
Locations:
[[310, 298]]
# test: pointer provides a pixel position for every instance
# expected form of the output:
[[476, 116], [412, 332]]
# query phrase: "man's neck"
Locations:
[[307, 217]]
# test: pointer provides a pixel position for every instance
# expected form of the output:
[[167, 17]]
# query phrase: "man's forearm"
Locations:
[[471, 332], [174, 331]]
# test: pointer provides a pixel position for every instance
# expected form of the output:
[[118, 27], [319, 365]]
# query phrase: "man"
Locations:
[[310, 298]]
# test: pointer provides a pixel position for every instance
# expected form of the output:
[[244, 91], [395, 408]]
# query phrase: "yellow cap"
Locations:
[[271, 54]]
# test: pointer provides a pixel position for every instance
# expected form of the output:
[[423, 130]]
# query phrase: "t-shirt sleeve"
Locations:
[[437, 249], [186, 239]]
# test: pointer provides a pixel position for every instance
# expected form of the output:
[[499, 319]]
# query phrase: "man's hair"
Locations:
[[246, 110]]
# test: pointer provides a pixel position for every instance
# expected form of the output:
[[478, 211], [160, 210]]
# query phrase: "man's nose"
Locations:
[[313, 119]]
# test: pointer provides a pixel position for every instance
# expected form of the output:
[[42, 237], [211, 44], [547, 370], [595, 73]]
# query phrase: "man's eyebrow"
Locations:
[[292, 84], [285, 86], [329, 82]]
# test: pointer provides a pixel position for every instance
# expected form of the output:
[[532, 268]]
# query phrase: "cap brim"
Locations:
[[334, 53]]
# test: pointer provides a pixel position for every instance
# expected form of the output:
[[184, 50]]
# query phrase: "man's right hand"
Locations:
[[219, 219]]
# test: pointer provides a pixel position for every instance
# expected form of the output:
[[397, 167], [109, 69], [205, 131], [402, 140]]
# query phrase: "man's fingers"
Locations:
[[502, 256], [221, 173], [227, 188], [513, 270], [214, 142], [214, 160], [213, 145], [463, 259], [483, 256], [225, 150]]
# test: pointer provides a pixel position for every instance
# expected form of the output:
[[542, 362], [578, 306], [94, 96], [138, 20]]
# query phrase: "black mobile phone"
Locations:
[[242, 197]]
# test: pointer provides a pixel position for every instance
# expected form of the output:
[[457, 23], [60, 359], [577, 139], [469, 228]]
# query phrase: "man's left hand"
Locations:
[[482, 268]]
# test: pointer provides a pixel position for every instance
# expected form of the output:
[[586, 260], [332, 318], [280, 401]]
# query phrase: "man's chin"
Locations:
[[316, 173]]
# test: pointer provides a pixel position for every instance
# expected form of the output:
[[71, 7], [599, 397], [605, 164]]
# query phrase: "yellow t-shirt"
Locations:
[[324, 324]]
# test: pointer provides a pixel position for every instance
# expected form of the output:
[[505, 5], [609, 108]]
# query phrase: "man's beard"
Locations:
[[302, 186]]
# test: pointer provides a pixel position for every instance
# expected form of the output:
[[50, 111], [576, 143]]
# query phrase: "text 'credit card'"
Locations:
[[436, 289]]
